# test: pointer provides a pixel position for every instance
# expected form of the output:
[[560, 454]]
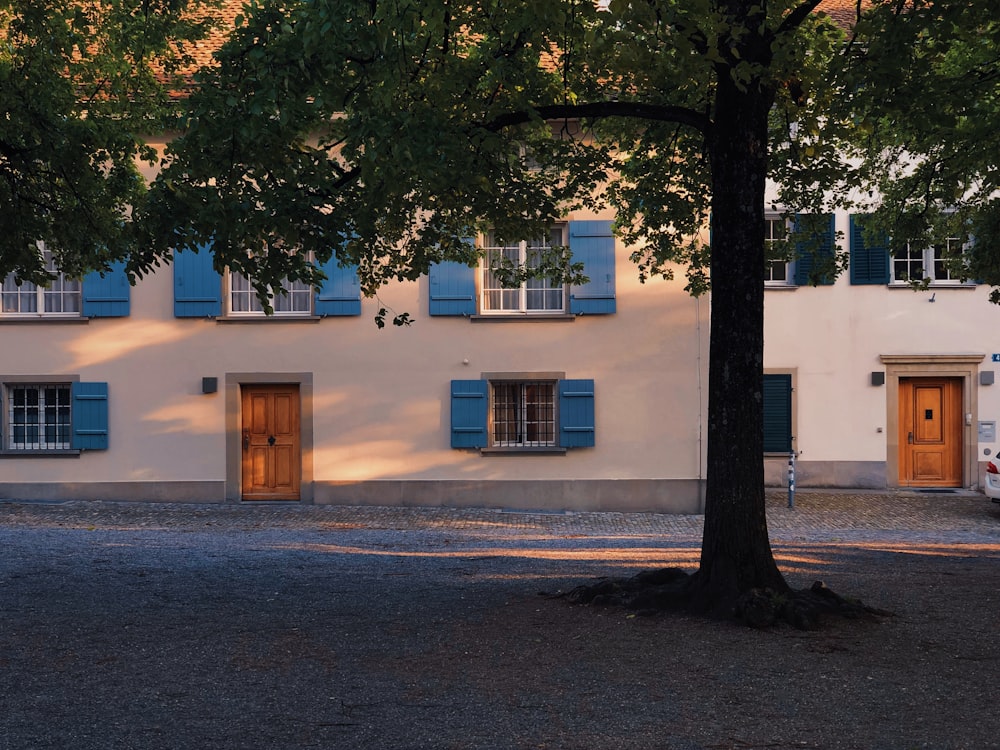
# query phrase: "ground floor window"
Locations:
[[50, 415], [39, 417], [544, 413], [524, 414]]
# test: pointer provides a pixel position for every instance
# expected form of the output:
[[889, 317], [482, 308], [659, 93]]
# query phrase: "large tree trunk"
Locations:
[[736, 550]]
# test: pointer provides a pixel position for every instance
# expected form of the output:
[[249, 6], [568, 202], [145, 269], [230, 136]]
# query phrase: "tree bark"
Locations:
[[736, 550]]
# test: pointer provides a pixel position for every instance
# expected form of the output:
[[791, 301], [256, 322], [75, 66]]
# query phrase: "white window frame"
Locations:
[[495, 299], [61, 413], [284, 305], [61, 293], [521, 419], [770, 266], [930, 261]]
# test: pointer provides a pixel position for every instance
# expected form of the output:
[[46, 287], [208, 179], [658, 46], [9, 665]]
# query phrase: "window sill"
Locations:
[[778, 287], [524, 318], [265, 319], [40, 454], [933, 285], [7, 319], [548, 451]]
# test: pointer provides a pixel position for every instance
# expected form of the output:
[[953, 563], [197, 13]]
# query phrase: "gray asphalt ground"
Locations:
[[137, 625]]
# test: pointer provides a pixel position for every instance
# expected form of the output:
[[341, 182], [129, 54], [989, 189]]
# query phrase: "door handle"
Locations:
[[246, 439], [909, 438], [270, 440]]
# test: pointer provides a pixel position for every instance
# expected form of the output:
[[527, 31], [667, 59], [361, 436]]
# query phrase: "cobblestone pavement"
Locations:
[[138, 626], [817, 515]]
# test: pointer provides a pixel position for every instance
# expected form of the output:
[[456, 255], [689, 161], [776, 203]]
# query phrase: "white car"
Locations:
[[992, 487]]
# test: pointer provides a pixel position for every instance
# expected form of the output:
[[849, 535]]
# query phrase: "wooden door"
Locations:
[[930, 432], [272, 456]]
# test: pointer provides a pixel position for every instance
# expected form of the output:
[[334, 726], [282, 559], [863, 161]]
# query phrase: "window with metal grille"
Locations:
[[60, 297], [524, 414], [38, 417]]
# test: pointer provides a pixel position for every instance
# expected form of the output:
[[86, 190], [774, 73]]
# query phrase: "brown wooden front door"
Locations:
[[272, 456], [930, 432]]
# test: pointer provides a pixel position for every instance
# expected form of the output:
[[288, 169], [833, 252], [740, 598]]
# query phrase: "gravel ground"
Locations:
[[132, 625]]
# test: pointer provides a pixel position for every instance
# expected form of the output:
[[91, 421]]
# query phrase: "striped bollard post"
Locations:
[[791, 479]]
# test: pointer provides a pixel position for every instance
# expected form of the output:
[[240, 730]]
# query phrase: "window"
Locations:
[[293, 297], [53, 416], [290, 298], [915, 264], [776, 269], [38, 417], [540, 412], [502, 258], [523, 414], [455, 289], [61, 297]]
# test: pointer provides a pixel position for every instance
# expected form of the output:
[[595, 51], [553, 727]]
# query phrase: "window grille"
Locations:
[[524, 414], [39, 417]]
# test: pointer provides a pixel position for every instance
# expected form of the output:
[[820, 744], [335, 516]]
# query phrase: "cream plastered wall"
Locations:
[[380, 399], [834, 336]]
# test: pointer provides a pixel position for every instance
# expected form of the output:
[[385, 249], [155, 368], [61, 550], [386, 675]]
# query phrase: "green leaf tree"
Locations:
[[927, 81], [385, 131], [80, 82]]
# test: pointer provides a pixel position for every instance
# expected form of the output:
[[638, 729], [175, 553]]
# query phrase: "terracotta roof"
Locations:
[[843, 12]]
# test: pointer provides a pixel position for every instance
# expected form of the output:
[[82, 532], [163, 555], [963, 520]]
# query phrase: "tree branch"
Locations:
[[635, 110], [794, 19]]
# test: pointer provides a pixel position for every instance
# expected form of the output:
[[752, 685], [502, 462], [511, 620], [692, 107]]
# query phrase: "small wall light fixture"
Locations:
[[878, 378], [986, 377], [209, 385]]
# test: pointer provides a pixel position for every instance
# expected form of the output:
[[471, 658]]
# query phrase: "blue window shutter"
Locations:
[[576, 413], [452, 289], [341, 291], [869, 261], [107, 296], [197, 285], [90, 416], [820, 244], [777, 413], [469, 407], [593, 244]]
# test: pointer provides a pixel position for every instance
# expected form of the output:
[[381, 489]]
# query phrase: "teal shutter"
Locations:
[[777, 413], [340, 293], [869, 261], [106, 296], [452, 289], [90, 416], [469, 409], [593, 244], [818, 245], [197, 285], [576, 413]]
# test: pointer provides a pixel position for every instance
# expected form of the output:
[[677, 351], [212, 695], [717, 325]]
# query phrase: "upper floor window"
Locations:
[[777, 271], [61, 297], [935, 263], [289, 298], [501, 288]]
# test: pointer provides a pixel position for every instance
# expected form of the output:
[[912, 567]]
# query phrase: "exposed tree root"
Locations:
[[672, 589]]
